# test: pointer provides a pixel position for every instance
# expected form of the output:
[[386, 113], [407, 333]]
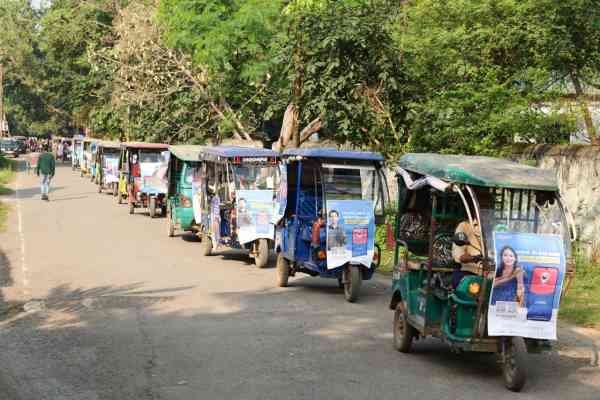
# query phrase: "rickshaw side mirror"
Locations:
[[460, 239], [379, 219]]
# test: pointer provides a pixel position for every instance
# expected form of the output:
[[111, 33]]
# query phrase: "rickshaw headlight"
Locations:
[[185, 201], [322, 255], [474, 288]]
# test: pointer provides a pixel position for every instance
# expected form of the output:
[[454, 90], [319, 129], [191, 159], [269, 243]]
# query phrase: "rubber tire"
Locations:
[[262, 258], [514, 365], [81, 174], [152, 207], [131, 207], [283, 271], [170, 225], [404, 332], [99, 188], [206, 245], [352, 283]]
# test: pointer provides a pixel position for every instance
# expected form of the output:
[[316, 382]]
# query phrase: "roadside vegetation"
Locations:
[[7, 174], [581, 305]]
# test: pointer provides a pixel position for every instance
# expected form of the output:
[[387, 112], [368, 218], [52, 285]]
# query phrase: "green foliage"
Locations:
[[342, 57], [581, 304], [479, 81]]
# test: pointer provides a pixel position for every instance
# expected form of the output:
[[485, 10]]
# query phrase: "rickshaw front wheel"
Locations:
[[170, 225], [262, 257], [131, 207], [404, 332], [513, 366], [206, 245], [152, 207], [283, 271], [352, 282]]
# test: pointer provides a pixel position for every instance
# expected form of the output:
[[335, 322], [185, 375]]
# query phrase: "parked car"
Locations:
[[10, 147]]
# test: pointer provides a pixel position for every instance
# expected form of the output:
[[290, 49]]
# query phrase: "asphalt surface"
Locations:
[[125, 312]]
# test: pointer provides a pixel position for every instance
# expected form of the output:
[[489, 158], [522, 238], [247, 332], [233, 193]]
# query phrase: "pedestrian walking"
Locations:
[[45, 169]]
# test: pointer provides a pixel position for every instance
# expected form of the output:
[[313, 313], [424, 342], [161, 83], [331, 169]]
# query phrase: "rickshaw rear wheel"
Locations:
[[170, 224], [206, 245], [152, 207], [352, 282], [404, 332], [262, 257], [513, 366], [283, 271]]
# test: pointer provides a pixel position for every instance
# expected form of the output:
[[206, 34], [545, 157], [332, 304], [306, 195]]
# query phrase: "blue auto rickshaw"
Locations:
[[236, 191], [330, 202]]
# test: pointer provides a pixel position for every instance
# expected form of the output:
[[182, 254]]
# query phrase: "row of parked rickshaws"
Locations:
[[318, 209]]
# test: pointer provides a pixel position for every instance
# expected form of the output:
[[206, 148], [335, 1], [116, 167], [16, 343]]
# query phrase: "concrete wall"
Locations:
[[577, 169]]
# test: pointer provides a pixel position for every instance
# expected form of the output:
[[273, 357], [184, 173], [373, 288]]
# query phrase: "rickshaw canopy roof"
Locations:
[[218, 152], [327, 152], [186, 152], [144, 145], [109, 144], [480, 171]]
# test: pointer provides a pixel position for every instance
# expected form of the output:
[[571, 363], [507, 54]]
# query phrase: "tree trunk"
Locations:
[[585, 110]]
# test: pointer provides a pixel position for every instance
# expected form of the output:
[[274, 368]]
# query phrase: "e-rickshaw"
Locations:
[[142, 176], [77, 152], [184, 188], [482, 258], [87, 162], [107, 166], [331, 203], [235, 204]]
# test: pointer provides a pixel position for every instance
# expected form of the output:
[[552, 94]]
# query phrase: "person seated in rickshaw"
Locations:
[[468, 256]]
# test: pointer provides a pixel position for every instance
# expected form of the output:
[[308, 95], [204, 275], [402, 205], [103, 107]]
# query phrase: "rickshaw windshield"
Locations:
[[150, 157], [255, 177], [345, 182], [524, 211]]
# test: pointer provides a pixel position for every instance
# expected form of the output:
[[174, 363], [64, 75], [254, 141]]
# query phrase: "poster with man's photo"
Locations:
[[350, 232], [254, 213], [527, 283]]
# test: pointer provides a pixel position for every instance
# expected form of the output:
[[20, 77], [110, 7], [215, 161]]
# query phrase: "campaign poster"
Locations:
[[350, 232], [281, 195], [110, 168], [154, 175], [215, 220], [198, 197], [527, 283], [254, 211]]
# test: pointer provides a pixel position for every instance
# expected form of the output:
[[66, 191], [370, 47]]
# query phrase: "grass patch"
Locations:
[[7, 174], [581, 304]]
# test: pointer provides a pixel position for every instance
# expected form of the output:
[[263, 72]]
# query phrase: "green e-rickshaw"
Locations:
[[482, 257], [183, 174]]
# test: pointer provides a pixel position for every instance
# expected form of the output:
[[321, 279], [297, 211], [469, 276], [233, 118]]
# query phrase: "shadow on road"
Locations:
[[126, 342]]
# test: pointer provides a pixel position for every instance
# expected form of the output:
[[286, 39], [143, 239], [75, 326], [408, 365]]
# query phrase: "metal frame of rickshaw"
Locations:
[[115, 148], [180, 211], [479, 342], [84, 168], [288, 263], [77, 141], [230, 156], [126, 181]]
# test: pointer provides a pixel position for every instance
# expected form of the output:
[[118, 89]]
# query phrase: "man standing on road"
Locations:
[[45, 167]]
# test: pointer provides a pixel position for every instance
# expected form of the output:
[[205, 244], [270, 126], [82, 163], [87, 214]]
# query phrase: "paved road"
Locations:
[[132, 314]]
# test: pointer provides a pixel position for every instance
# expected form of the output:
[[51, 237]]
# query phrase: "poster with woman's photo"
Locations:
[[526, 287], [350, 232], [110, 168]]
